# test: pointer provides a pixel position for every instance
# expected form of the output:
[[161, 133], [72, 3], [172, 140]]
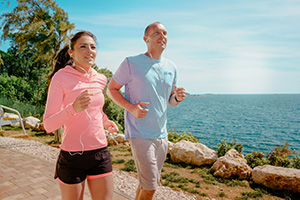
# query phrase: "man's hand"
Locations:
[[179, 93], [138, 111], [83, 101]]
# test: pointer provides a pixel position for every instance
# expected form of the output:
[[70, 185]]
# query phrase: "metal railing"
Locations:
[[7, 121]]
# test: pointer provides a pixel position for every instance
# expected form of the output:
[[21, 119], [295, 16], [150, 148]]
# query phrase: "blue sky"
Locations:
[[221, 47]]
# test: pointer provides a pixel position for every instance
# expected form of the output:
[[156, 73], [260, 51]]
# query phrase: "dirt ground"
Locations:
[[199, 179]]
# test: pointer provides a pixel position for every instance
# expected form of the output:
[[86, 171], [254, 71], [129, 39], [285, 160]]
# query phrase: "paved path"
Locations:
[[29, 178]]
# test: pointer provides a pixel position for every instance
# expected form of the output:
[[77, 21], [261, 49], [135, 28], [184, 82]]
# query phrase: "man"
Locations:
[[150, 84]]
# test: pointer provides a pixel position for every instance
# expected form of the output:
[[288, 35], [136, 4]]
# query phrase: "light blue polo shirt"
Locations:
[[147, 80]]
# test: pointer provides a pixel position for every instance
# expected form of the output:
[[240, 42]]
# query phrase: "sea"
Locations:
[[259, 122]]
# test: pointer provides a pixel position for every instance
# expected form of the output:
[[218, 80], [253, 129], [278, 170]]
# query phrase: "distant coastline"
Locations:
[[210, 94]]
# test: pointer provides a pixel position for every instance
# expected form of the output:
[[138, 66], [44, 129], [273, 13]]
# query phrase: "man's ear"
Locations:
[[146, 39]]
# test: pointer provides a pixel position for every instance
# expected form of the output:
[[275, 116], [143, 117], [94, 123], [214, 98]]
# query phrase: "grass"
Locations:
[[24, 109], [118, 161], [174, 180], [221, 194], [129, 166], [11, 128]]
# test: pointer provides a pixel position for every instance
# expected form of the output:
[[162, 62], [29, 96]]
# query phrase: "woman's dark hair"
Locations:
[[63, 58]]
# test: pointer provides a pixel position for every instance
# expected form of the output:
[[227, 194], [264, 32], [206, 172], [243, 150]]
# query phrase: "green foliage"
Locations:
[[37, 26], [106, 72], [256, 159], [129, 166], [37, 29], [114, 112], [15, 88], [175, 137], [279, 156], [224, 147], [221, 194], [25, 109], [181, 182], [53, 142], [256, 194], [118, 161], [295, 162]]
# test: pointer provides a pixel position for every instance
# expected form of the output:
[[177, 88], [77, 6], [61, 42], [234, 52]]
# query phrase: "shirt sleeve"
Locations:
[[122, 75], [175, 79], [55, 116]]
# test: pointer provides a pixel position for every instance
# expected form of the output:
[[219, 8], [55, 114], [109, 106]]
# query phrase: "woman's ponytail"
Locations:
[[61, 60]]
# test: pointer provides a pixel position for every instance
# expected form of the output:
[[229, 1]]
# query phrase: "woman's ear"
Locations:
[[70, 52]]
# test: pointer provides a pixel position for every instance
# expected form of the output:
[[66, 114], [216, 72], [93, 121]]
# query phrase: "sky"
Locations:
[[218, 46]]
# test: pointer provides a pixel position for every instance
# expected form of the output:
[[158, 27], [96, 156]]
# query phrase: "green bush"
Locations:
[[295, 162], [256, 159], [114, 112], [175, 137], [224, 147], [221, 194], [15, 88], [129, 166], [25, 109], [279, 155]]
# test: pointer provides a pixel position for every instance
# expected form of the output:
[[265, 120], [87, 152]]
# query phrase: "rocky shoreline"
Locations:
[[123, 182]]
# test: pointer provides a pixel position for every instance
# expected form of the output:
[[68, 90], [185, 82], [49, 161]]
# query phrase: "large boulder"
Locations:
[[277, 178], [114, 138], [170, 147], [39, 127], [192, 153], [31, 122], [232, 164]]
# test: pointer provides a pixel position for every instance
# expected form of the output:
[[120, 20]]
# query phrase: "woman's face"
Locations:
[[84, 52]]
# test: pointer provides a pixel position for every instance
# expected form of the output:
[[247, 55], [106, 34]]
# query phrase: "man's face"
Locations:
[[157, 37]]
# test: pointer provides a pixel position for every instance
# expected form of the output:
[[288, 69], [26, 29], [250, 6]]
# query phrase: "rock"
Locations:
[[114, 138], [192, 153], [39, 127], [232, 164], [120, 138], [277, 178], [30, 122], [170, 147]]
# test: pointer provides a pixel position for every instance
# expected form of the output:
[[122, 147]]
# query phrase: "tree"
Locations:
[[37, 26], [37, 29]]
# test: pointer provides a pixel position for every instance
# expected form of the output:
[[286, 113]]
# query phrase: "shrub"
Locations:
[[118, 161], [129, 166], [256, 159], [174, 137], [25, 109], [224, 147], [295, 162], [221, 194], [279, 155]]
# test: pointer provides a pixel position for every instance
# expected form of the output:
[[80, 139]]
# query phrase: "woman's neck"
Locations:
[[82, 69]]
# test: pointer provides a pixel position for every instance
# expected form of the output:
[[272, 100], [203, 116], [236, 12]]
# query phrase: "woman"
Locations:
[[75, 100]]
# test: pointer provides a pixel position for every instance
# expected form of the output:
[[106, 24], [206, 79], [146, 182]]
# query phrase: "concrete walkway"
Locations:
[[29, 178]]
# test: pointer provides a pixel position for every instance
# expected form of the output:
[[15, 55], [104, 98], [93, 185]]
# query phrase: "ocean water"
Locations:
[[259, 122]]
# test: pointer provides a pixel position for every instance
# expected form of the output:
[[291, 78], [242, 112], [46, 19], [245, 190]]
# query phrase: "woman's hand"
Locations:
[[110, 126], [83, 101]]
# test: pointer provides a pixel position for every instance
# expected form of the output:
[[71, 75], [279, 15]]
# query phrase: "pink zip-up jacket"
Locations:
[[83, 130]]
